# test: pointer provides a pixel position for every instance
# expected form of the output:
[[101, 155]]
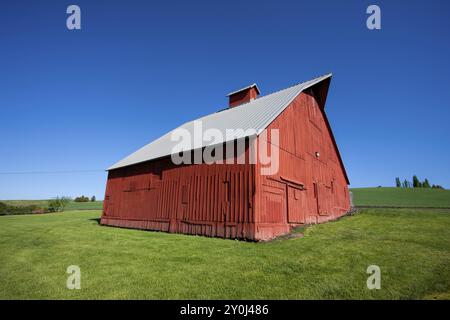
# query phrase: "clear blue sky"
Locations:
[[81, 100]]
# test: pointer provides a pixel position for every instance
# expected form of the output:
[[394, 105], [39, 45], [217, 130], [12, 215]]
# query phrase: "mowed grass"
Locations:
[[401, 197], [411, 246], [96, 205]]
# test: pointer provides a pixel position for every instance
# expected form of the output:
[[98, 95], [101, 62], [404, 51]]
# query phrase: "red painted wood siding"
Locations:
[[312, 189], [210, 200]]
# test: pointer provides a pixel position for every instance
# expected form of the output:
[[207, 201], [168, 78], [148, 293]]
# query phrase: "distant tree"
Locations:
[[415, 182], [398, 184], [3, 209], [58, 204], [82, 199], [420, 184], [407, 184], [426, 183], [436, 186], [93, 199]]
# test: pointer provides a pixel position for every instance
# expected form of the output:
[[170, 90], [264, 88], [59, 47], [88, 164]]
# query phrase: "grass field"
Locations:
[[411, 246], [97, 205], [401, 197]]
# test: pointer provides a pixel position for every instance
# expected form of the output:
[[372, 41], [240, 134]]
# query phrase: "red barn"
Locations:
[[241, 196]]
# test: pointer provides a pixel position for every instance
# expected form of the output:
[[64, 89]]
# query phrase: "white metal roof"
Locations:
[[256, 114]]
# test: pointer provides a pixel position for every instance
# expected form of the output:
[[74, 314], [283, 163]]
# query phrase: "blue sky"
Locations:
[[81, 100]]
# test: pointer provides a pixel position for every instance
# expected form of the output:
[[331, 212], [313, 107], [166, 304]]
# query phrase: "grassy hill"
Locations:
[[97, 205], [401, 197], [412, 248]]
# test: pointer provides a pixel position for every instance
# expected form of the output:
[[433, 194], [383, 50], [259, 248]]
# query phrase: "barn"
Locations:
[[242, 193]]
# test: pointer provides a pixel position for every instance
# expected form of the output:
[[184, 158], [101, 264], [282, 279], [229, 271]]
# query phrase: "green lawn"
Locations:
[[97, 205], [411, 246], [401, 197]]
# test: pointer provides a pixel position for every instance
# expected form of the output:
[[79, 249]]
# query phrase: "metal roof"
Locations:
[[256, 114], [245, 88]]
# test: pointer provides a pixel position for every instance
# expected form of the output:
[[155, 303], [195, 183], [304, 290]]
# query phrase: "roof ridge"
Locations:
[[244, 88], [329, 74]]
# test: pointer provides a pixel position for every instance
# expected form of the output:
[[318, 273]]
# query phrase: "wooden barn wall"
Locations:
[[306, 189], [211, 200]]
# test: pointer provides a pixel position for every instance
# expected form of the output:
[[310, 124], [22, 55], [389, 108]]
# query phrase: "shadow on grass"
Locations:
[[96, 220]]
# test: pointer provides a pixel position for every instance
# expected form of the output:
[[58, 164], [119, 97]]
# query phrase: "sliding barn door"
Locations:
[[297, 205]]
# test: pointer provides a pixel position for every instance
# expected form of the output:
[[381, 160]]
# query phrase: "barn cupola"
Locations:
[[243, 95]]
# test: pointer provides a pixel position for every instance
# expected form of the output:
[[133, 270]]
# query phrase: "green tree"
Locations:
[[58, 204], [405, 183], [426, 183], [398, 184], [416, 182], [82, 199], [93, 199]]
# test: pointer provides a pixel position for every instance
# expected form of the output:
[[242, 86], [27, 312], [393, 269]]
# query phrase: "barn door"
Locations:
[[297, 205], [182, 213], [316, 197], [107, 206], [322, 196]]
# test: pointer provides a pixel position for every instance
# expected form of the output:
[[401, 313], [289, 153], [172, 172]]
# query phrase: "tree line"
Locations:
[[415, 183], [85, 199]]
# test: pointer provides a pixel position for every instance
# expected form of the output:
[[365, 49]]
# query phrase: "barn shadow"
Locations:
[[96, 220]]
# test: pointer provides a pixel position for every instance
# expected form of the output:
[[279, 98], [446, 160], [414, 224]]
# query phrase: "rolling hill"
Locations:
[[401, 197]]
